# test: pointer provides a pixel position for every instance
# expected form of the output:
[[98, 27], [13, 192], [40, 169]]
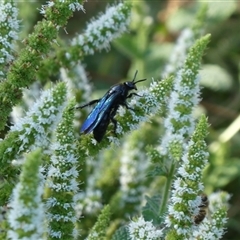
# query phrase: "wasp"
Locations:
[[106, 107], [203, 209]]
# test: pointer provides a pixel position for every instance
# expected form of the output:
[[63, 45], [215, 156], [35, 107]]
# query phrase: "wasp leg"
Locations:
[[113, 120], [129, 96], [125, 105], [88, 104], [133, 94]]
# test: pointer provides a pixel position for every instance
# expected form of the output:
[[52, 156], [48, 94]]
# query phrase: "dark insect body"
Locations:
[[105, 110], [203, 208]]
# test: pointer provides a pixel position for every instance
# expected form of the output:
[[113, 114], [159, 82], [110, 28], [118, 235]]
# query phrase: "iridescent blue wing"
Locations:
[[98, 113], [91, 120]]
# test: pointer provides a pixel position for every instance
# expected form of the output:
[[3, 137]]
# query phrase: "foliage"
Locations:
[[146, 181]]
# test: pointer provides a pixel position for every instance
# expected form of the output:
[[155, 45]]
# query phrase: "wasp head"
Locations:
[[132, 85]]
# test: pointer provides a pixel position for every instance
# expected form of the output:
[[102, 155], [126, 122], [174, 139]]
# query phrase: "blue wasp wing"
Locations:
[[91, 120], [98, 112]]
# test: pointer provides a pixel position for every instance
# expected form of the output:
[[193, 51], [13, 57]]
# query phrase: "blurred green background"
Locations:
[[154, 28]]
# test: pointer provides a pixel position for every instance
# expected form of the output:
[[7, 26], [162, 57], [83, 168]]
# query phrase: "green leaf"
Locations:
[[151, 209], [224, 174], [179, 20], [158, 171], [220, 11], [156, 57], [215, 77], [121, 233], [128, 47]]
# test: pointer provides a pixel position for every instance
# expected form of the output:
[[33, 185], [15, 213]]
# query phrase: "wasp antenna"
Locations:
[[135, 76], [140, 80]]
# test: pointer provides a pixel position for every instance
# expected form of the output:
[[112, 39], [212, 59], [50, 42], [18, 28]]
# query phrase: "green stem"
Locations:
[[167, 189]]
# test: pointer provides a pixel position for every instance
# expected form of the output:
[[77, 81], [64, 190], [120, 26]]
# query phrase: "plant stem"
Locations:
[[167, 190]]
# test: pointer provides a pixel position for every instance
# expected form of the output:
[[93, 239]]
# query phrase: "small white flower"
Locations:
[[179, 53], [100, 32], [141, 230], [30, 209], [9, 24]]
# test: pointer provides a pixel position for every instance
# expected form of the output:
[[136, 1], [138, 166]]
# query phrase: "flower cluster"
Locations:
[[188, 184], [184, 42], [213, 226], [89, 201], [77, 80], [179, 53], [74, 6], [184, 97], [62, 180], [9, 26], [103, 30], [140, 229], [40, 121], [38, 44], [34, 130], [132, 170], [26, 217]]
